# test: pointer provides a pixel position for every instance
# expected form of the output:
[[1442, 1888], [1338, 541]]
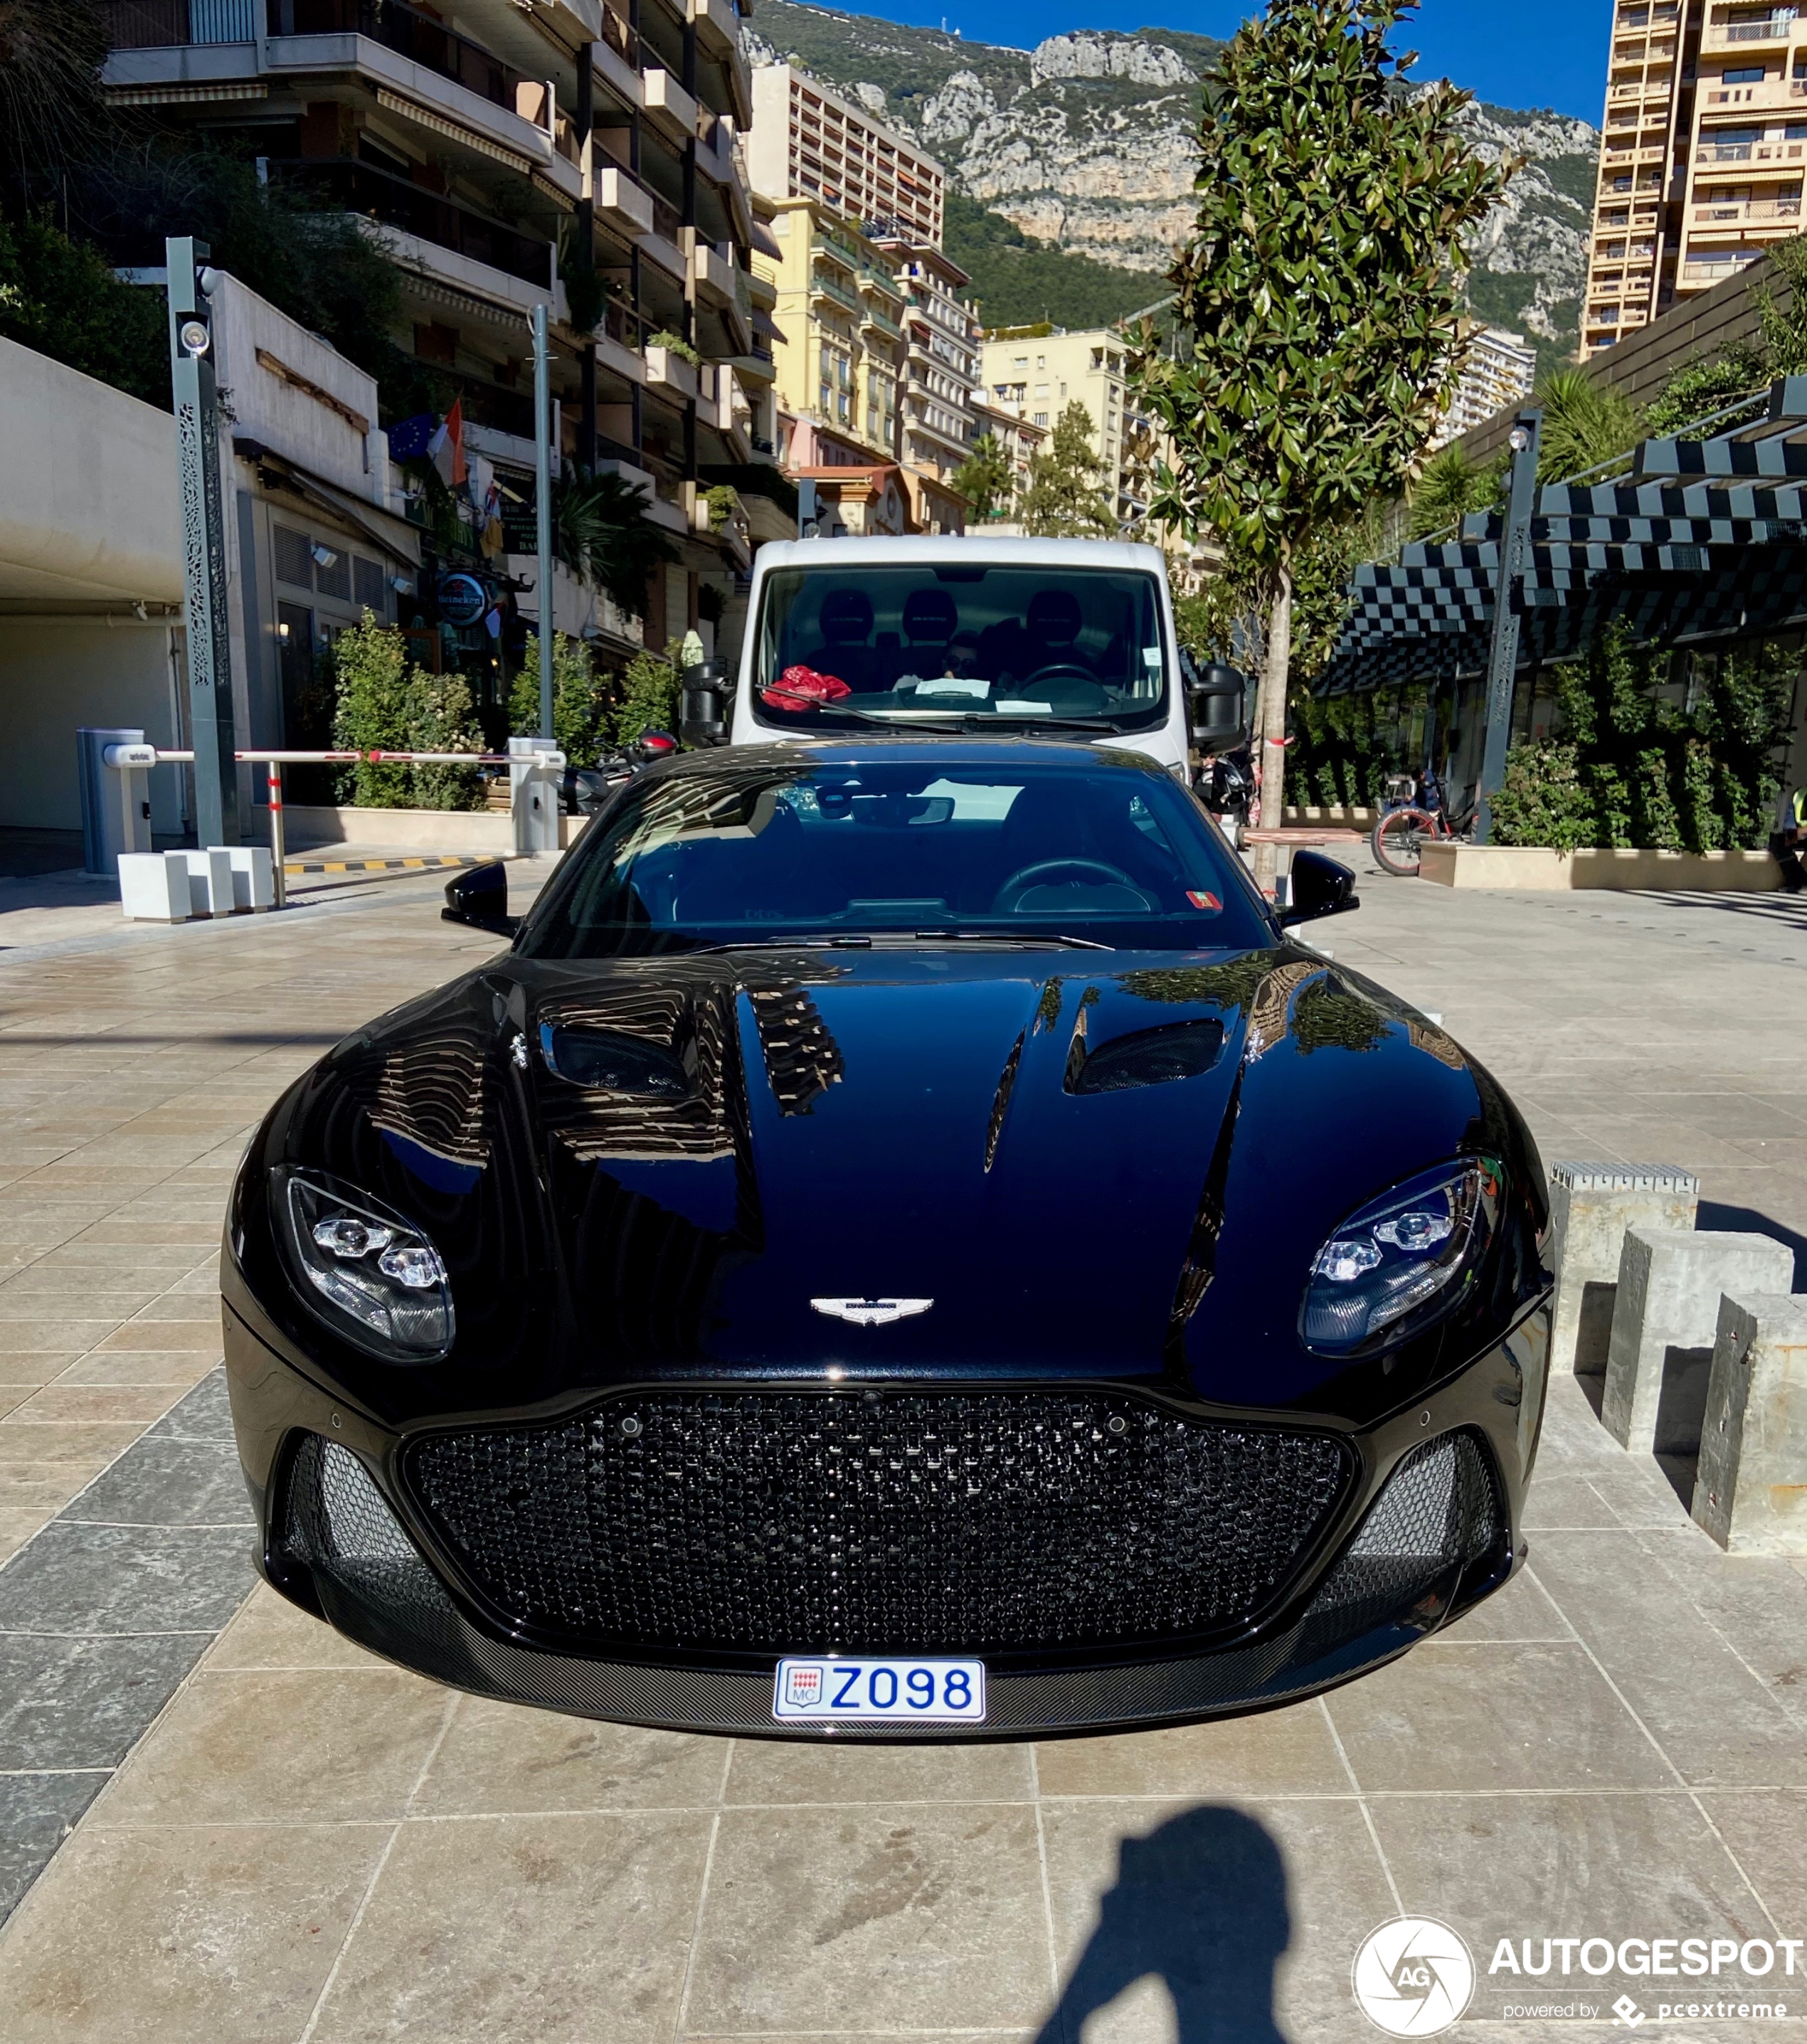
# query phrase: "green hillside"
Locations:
[[1016, 280]]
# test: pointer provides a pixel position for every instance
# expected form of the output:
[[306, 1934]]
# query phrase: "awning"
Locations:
[[388, 534]]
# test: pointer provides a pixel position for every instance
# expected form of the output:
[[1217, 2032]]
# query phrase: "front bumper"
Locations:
[[411, 1610]]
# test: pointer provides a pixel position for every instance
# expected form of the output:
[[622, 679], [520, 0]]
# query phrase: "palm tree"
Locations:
[[601, 532], [1449, 487], [1584, 425]]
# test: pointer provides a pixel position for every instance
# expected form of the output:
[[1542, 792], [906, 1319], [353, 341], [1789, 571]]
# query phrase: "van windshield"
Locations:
[[926, 645]]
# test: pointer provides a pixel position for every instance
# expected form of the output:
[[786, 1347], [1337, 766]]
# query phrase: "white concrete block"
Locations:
[[1751, 1494], [1665, 1320], [1591, 1206], [253, 878], [153, 886]]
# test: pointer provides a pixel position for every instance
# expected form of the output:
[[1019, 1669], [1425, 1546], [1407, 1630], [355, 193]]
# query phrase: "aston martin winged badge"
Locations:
[[871, 1312]]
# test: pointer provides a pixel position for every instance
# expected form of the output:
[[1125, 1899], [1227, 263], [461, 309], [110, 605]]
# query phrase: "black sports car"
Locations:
[[902, 1243]]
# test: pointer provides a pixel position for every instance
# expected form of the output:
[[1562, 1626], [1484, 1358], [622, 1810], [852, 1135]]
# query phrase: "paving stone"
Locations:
[[920, 1916], [170, 1936], [114, 1579], [351, 1746], [204, 1415], [1242, 1917], [524, 1930], [775, 1772], [163, 1482], [1290, 1750], [37, 1812], [84, 1702], [498, 1758]]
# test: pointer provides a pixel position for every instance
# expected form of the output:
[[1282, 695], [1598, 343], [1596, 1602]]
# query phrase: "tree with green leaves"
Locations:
[[1585, 423], [1064, 499], [984, 479], [1317, 301], [580, 699]]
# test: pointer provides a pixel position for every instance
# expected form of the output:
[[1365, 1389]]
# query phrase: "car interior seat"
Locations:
[[847, 628]]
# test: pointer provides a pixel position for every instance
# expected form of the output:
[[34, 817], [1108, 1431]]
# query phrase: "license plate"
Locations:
[[832, 1690]]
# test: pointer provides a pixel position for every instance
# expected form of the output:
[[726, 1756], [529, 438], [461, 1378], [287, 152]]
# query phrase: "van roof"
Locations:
[[921, 552]]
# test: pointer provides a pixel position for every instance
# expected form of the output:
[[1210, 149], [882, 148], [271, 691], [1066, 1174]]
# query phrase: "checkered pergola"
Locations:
[[1702, 540]]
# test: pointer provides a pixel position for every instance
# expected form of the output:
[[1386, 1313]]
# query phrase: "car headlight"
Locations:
[[372, 1277], [1402, 1262]]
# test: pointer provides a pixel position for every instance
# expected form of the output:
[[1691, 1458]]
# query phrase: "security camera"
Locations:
[[324, 556], [210, 281]]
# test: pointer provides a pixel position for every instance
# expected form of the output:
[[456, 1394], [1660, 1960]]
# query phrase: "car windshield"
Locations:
[[925, 644], [748, 849]]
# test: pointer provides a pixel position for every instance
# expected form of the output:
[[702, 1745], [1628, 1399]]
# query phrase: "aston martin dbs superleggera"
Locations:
[[902, 1243]]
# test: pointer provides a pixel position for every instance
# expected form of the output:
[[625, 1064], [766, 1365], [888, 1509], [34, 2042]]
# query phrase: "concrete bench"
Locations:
[[1591, 1207], [1751, 1493], [1665, 1322]]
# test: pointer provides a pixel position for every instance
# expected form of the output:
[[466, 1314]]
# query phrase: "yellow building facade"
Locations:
[[840, 312]]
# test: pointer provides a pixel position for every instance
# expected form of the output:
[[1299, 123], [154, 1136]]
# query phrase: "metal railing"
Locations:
[[410, 33], [1775, 29], [1753, 208], [148, 24], [393, 201]]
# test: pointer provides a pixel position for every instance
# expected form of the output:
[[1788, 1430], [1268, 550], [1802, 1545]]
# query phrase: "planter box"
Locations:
[[1535, 867], [407, 830]]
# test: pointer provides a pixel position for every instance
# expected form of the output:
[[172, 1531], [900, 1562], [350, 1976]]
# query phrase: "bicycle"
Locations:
[[1405, 822]]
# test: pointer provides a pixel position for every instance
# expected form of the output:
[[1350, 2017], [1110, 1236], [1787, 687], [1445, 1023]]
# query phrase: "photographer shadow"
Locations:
[[1199, 1904]]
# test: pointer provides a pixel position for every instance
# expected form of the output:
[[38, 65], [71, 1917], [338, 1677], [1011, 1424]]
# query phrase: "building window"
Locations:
[[1041, 418]]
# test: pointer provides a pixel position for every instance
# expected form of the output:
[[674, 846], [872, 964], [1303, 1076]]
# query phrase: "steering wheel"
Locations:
[[1050, 872], [1063, 671]]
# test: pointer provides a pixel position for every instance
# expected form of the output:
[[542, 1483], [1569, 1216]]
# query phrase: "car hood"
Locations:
[[958, 1137]]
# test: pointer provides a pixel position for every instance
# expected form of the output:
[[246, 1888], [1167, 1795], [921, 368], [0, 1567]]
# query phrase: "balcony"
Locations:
[[412, 34], [1778, 27], [825, 284], [393, 201], [717, 26], [670, 108], [622, 201], [1766, 210], [152, 25], [667, 371]]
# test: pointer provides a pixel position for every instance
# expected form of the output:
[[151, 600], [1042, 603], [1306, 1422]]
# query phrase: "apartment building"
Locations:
[[1018, 439], [479, 138], [810, 141], [1035, 373], [1499, 369], [838, 313], [939, 376], [1706, 148]]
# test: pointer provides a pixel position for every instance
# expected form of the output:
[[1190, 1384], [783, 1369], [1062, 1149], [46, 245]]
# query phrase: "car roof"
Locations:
[[925, 551]]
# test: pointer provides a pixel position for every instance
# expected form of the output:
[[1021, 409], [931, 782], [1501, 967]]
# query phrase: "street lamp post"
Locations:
[[203, 544], [542, 512], [1502, 657]]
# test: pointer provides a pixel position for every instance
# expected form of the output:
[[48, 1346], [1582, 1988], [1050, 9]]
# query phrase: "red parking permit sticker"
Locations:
[[1203, 900]]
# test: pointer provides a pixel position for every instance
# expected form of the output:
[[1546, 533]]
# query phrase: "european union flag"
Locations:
[[408, 438]]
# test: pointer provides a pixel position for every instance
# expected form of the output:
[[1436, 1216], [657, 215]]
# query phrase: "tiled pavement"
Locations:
[[311, 1845]]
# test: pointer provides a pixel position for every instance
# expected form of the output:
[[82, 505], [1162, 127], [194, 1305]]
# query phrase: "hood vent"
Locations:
[[1147, 1058]]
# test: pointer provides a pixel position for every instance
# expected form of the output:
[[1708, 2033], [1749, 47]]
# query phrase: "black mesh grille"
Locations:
[[1437, 1513], [338, 1525], [774, 1522]]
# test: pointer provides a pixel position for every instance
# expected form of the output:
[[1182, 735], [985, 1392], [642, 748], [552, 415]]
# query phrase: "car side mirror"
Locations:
[[1320, 887], [1216, 698], [703, 711], [478, 896]]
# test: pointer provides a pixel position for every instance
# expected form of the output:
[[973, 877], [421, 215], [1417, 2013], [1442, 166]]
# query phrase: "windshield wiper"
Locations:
[[890, 720], [1037, 940], [976, 723], [864, 940]]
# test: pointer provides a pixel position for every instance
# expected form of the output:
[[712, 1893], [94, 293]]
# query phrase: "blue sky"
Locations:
[[1513, 52]]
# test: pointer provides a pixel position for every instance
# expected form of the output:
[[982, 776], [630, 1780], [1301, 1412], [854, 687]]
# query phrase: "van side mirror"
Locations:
[[1320, 887], [702, 713], [478, 896], [1216, 698]]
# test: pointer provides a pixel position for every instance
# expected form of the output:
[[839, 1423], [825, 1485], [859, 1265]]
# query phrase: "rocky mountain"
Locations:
[[1084, 144]]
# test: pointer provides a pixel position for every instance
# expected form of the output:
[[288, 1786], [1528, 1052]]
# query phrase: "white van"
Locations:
[[1054, 638]]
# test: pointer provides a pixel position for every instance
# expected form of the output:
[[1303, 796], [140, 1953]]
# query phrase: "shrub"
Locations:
[[1633, 770], [384, 706], [647, 699], [580, 704]]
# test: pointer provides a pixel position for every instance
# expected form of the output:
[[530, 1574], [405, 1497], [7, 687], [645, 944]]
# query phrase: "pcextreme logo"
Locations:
[[1413, 1977]]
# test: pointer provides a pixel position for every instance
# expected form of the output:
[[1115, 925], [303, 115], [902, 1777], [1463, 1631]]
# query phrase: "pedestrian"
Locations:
[[1789, 834]]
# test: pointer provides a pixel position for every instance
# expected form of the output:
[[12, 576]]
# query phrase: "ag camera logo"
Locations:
[[1413, 1977]]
